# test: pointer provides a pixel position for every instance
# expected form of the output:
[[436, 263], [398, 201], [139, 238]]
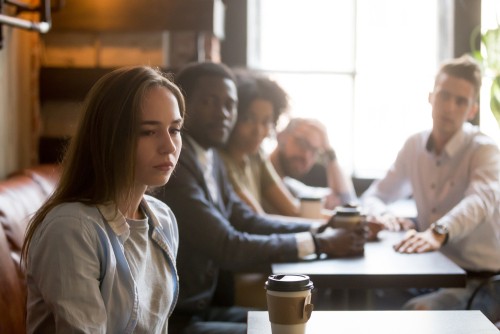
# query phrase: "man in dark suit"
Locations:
[[217, 230]]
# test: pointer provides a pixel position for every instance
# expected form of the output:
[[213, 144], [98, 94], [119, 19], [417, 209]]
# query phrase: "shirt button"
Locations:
[[433, 210]]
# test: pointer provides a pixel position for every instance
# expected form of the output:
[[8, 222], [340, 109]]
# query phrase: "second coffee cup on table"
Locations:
[[289, 303], [347, 216], [310, 207]]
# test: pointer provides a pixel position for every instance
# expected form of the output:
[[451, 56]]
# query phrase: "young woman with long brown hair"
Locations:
[[100, 254]]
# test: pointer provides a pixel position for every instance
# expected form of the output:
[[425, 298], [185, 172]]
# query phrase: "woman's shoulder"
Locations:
[[69, 220], [72, 210]]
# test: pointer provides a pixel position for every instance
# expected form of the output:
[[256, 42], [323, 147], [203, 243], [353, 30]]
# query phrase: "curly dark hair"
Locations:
[[252, 86]]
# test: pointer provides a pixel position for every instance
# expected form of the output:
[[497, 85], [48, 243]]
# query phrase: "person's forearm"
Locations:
[[282, 200], [340, 183]]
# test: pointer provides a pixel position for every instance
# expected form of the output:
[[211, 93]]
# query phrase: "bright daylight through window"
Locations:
[[364, 68]]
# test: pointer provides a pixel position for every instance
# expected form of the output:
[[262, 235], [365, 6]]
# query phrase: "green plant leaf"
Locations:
[[489, 58], [495, 98], [491, 43]]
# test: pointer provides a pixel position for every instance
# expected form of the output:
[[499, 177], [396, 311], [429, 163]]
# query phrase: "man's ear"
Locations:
[[473, 111]]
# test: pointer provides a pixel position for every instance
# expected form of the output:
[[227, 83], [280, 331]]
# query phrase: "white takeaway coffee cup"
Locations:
[[289, 303], [310, 207]]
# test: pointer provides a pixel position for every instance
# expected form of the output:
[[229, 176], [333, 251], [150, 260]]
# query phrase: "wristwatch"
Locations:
[[441, 230]]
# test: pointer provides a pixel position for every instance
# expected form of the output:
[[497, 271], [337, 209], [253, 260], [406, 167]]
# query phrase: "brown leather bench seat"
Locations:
[[21, 195]]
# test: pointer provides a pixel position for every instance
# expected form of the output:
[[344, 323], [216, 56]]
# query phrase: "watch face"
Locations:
[[440, 229]]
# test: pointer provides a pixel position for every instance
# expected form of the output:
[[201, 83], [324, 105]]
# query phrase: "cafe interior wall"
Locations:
[[103, 51], [19, 123], [24, 119], [87, 51]]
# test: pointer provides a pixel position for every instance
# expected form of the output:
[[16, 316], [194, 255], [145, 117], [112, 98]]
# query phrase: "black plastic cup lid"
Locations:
[[310, 199], [347, 211], [288, 283]]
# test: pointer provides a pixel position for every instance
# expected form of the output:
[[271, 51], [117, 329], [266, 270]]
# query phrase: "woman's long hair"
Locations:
[[99, 165]]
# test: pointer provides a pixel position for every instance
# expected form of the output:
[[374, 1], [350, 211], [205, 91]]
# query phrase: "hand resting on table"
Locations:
[[342, 242]]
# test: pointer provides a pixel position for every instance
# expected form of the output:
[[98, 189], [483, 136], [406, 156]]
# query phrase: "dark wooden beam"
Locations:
[[467, 18], [234, 46], [139, 15]]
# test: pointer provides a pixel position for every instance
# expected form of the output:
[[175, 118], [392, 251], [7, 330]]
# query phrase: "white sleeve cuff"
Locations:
[[305, 245]]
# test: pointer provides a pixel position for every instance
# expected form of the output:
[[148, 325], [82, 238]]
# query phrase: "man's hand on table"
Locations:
[[389, 222], [419, 242], [393, 223], [342, 242], [373, 228], [370, 225]]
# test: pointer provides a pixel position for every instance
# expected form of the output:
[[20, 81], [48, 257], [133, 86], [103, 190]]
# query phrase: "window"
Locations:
[[364, 68]]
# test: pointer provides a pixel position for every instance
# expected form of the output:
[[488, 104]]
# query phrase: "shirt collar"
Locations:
[[205, 157], [454, 144], [117, 221]]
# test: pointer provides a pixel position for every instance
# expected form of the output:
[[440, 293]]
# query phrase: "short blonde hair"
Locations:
[[464, 67]]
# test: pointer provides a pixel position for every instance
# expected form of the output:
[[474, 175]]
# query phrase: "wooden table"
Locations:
[[386, 322], [380, 267]]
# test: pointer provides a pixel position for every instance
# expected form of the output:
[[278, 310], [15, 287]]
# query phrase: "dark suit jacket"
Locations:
[[224, 235]]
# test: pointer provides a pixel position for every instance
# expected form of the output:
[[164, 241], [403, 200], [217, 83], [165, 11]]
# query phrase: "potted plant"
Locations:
[[489, 57]]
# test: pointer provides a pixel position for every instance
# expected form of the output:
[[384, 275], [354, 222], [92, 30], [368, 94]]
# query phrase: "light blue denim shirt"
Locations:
[[78, 277]]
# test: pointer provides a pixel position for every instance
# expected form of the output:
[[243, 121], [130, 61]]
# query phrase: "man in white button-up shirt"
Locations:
[[452, 172]]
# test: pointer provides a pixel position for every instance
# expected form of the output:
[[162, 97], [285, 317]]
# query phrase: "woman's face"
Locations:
[[159, 142], [250, 130]]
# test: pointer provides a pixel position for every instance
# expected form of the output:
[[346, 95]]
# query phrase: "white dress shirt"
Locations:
[[206, 160], [459, 188]]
